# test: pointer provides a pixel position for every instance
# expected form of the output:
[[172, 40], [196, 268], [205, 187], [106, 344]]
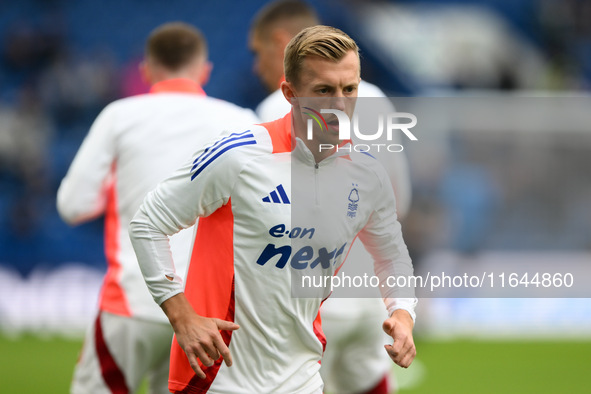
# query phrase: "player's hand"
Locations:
[[198, 336], [399, 327]]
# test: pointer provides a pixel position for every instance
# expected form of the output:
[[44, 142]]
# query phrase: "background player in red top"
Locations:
[[134, 144]]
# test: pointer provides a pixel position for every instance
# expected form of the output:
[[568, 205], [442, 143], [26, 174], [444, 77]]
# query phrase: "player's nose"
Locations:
[[338, 102]]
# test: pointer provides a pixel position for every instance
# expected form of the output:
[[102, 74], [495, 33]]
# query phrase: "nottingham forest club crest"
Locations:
[[353, 202]]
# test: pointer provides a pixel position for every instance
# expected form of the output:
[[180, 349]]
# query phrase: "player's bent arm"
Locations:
[[82, 194], [197, 189], [164, 212], [198, 336]]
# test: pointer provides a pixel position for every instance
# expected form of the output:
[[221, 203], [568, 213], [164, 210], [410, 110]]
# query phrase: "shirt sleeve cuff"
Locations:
[[165, 297], [407, 304]]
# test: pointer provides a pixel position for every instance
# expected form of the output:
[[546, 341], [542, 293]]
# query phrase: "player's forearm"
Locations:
[[152, 249], [395, 284], [176, 308], [392, 264], [81, 197], [391, 261], [395, 287], [74, 212]]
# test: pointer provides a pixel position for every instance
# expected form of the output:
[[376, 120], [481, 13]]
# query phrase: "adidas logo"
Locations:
[[277, 196]]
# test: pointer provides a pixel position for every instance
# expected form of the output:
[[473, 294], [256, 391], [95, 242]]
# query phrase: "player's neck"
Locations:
[[300, 131]]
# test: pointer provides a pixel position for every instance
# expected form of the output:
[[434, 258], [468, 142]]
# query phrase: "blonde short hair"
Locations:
[[323, 41]]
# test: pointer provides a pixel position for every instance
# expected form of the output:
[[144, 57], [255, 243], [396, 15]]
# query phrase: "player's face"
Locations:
[[324, 84], [268, 60]]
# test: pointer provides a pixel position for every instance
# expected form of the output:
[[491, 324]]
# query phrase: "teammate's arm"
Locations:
[[82, 194]]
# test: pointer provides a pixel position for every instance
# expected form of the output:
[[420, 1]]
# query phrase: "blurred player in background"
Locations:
[[133, 145], [237, 305], [354, 360]]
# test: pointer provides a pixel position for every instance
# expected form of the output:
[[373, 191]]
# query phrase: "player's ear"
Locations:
[[205, 72], [288, 92]]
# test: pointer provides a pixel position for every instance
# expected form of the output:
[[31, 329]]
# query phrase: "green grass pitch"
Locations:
[[456, 367], [34, 365]]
